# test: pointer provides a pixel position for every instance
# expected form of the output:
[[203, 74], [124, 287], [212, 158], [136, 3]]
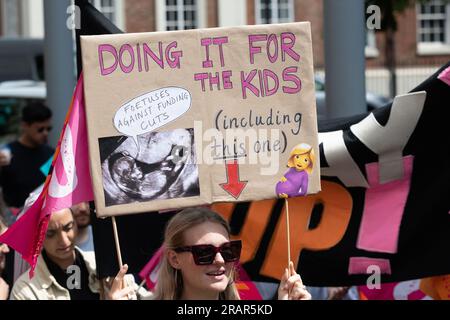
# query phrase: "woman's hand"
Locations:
[[291, 286], [117, 291]]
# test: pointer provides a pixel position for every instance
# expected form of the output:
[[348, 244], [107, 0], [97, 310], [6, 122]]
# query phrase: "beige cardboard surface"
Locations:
[[163, 109]]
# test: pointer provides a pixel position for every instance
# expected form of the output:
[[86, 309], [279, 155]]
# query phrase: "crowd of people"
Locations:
[[198, 262]]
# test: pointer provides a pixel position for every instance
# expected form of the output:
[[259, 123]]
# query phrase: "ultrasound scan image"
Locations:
[[161, 166]]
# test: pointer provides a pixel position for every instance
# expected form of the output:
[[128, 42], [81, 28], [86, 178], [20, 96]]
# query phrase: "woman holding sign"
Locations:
[[199, 261]]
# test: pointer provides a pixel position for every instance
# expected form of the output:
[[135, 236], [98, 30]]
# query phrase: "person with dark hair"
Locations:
[[21, 160], [64, 271], [36, 112]]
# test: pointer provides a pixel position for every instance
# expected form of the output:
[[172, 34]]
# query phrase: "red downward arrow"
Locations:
[[233, 185]]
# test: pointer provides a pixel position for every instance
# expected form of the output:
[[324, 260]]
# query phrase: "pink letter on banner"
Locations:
[[286, 46], [359, 265], [206, 43], [405, 290], [201, 77], [287, 76], [254, 50], [445, 76], [270, 74], [383, 210], [109, 48], [226, 75], [219, 41], [129, 68], [246, 83], [274, 40]]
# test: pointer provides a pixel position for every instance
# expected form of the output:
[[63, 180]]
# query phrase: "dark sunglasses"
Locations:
[[41, 129], [206, 253]]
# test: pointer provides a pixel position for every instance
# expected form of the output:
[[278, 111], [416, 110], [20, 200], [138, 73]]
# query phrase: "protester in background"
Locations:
[[82, 215], [21, 171], [199, 261], [64, 272], [4, 288]]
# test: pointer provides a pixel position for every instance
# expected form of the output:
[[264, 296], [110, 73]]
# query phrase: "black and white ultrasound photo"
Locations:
[[161, 166]]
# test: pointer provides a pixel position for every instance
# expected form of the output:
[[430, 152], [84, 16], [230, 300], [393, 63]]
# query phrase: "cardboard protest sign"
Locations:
[[184, 118]]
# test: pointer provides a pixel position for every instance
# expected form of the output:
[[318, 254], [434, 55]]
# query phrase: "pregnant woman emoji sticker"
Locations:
[[294, 183]]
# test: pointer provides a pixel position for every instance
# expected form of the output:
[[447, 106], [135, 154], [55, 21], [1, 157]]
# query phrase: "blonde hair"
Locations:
[[3, 226], [302, 148], [170, 281]]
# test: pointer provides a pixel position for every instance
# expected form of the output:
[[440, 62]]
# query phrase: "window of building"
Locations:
[[433, 27], [112, 9], [274, 11], [10, 14], [180, 14], [22, 18]]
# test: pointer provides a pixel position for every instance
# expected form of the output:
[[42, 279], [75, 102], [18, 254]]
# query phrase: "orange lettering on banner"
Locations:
[[436, 287], [337, 208], [224, 208], [258, 216]]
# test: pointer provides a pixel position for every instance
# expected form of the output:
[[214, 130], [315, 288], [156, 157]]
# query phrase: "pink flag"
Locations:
[[150, 271], [445, 76], [67, 184], [247, 289], [404, 290], [70, 181]]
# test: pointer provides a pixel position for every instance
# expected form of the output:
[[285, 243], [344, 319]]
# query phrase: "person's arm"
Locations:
[[5, 157], [4, 289], [117, 290], [291, 286]]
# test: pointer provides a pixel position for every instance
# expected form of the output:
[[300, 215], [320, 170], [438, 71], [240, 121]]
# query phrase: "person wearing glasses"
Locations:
[[21, 160], [199, 262]]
